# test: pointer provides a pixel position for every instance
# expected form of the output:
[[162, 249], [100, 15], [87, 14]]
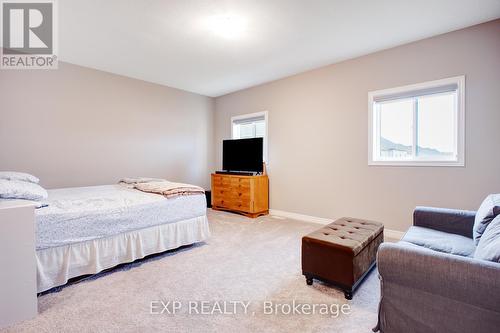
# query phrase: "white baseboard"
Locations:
[[300, 217], [388, 233]]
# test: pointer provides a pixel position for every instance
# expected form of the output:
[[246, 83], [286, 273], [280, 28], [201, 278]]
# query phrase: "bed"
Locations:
[[85, 230]]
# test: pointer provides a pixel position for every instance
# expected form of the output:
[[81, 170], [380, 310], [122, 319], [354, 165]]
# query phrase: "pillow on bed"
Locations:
[[15, 189], [25, 177]]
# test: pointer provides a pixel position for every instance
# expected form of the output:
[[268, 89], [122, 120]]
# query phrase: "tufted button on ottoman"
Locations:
[[341, 253]]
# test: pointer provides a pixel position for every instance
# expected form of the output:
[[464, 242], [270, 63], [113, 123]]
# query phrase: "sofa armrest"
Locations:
[[463, 279], [453, 221]]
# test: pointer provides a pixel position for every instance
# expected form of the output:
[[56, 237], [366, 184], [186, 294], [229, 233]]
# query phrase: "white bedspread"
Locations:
[[87, 213]]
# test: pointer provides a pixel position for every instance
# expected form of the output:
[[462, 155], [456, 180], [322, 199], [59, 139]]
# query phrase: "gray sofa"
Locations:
[[432, 280]]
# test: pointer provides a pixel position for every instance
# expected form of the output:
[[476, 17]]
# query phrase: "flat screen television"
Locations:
[[243, 155]]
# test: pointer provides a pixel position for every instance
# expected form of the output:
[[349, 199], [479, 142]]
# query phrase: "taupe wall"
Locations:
[[318, 131], [77, 126]]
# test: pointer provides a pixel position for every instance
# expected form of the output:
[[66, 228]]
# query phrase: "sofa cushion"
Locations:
[[489, 244], [488, 210], [440, 241]]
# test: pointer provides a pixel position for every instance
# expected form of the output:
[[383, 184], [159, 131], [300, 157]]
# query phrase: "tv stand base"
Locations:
[[251, 215]]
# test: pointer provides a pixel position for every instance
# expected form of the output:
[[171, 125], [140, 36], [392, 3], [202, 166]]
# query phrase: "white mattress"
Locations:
[[83, 214]]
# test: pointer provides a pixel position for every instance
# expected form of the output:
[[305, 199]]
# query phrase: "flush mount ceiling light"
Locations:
[[227, 26]]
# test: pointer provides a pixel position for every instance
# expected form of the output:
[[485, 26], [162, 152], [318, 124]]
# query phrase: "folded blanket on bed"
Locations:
[[129, 180], [169, 189]]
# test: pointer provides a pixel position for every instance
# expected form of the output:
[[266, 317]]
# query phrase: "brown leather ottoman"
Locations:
[[342, 252]]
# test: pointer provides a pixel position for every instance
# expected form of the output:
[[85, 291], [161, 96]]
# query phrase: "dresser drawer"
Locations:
[[231, 201], [229, 193], [240, 193], [243, 205], [220, 202], [240, 182], [221, 181], [234, 183], [220, 189]]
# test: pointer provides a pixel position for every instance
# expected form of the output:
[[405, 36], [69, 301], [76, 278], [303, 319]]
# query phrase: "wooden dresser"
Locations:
[[247, 195]]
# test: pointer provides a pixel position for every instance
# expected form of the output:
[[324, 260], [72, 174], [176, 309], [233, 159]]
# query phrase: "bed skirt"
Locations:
[[56, 265]]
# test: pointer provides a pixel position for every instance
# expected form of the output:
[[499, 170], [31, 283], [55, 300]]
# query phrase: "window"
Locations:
[[421, 124], [252, 125]]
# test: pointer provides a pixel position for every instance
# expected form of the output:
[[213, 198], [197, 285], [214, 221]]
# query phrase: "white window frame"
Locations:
[[266, 135], [460, 125]]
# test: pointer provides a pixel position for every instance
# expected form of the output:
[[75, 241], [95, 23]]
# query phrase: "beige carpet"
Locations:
[[253, 260]]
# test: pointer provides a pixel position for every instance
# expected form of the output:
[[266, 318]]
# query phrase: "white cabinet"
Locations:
[[18, 300]]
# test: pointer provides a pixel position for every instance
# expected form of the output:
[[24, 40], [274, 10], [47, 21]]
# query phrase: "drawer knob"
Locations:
[[239, 194]]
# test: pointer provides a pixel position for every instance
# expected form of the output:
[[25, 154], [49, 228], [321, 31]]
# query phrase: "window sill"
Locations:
[[418, 163]]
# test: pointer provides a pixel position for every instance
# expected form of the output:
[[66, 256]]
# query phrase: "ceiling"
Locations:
[[214, 47]]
